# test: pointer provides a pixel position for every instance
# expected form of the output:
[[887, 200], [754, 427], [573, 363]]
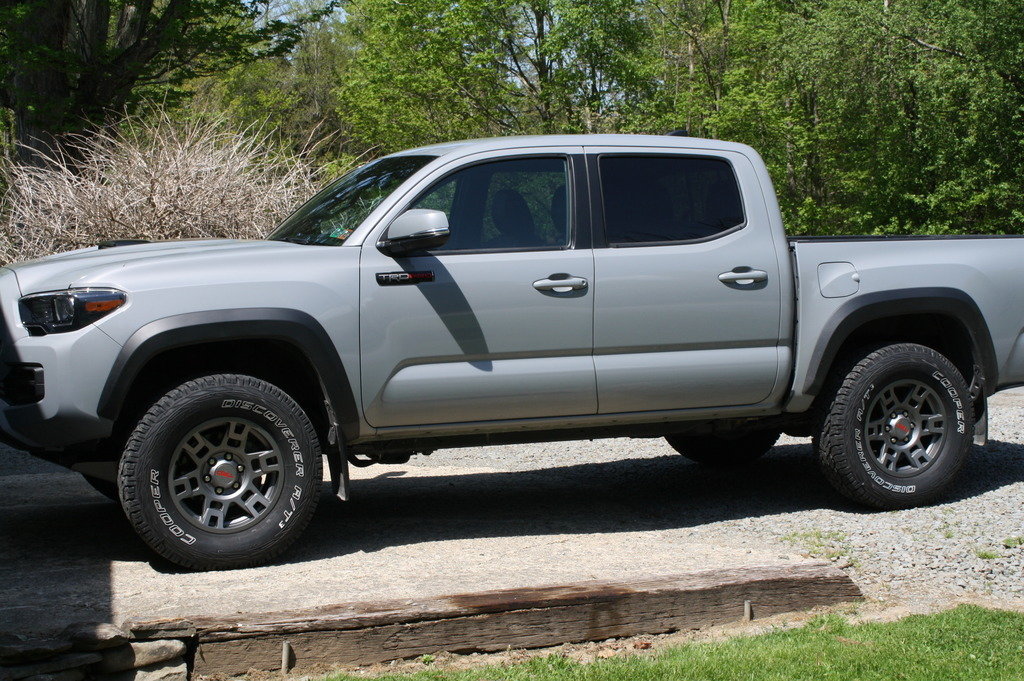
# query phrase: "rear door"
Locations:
[[484, 331], [688, 295]]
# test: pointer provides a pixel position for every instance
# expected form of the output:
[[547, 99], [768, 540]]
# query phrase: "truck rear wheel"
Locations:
[[222, 472], [897, 428], [725, 450]]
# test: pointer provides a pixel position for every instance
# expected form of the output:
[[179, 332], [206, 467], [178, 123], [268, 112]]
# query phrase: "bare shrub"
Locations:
[[152, 179]]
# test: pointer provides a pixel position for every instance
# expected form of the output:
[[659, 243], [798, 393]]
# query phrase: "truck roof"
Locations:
[[463, 147]]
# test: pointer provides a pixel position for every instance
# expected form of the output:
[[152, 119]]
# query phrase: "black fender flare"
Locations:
[[870, 307], [294, 327]]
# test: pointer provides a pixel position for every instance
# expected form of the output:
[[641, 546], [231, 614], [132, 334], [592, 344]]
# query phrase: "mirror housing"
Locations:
[[418, 229]]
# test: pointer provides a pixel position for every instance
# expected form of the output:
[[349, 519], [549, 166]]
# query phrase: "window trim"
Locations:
[[600, 227], [573, 204]]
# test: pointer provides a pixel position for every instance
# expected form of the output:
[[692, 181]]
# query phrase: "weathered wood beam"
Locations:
[[365, 633]]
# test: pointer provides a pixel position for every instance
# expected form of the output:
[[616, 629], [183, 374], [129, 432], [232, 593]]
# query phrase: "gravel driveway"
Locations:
[[463, 520]]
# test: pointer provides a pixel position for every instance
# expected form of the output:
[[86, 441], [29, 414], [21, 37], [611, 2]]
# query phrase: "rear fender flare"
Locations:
[[856, 312]]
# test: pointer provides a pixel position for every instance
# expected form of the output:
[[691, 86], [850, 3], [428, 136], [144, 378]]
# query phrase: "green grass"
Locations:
[[820, 544], [987, 554], [1013, 542], [968, 643]]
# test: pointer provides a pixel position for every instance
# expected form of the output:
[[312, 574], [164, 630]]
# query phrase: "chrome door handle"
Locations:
[[560, 284], [742, 275]]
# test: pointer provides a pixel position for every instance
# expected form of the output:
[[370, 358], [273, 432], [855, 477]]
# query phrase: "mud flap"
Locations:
[[337, 461], [981, 424]]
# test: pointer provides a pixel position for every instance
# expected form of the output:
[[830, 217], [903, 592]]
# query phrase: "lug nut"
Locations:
[[206, 478], [236, 485], [212, 461], [228, 456], [219, 490], [892, 440], [241, 468], [887, 429]]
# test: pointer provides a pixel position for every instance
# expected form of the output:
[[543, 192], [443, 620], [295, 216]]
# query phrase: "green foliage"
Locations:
[[432, 70], [70, 65], [968, 644], [874, 116]]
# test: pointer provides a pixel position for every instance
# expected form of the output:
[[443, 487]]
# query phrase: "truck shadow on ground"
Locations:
[[67, 537], [631, 495]]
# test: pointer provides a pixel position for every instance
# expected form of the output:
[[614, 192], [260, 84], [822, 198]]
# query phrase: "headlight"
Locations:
[[60, 311]]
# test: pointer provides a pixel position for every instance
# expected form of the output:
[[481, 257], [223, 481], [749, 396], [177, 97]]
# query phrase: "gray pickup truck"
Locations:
[[501, 291]]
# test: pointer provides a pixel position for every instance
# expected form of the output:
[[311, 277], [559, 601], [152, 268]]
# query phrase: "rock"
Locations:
[[138, 654], [66, 675], [150, 629], [14, 649], [94, 635], [55, 664], [172, 670]]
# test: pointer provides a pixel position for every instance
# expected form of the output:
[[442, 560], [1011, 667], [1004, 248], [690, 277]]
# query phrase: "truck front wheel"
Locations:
[[897, 427], [222, 472], [725, 450]]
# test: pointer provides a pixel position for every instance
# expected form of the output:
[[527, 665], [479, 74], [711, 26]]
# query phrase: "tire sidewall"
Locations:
[[279, 418], [946, 381]]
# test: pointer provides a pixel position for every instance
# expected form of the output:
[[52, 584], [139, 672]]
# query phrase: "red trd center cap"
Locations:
[[223, 474], [902, 427]]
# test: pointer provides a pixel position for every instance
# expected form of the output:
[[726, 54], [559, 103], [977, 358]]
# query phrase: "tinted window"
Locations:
[[664, 198], [519, 203]]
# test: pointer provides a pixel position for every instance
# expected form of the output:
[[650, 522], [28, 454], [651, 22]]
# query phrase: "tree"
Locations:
[[69, 65], [432, 70]]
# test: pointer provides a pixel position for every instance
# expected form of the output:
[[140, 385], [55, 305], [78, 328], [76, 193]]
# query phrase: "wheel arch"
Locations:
[[946, 319], [268, 342]]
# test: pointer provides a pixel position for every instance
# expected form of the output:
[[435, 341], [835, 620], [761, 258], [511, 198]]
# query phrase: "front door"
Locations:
[[482, 330], [688, 295]]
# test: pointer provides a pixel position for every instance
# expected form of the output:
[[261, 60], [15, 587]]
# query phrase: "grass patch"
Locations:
[[968, 643], [987, 554], [1013, 542], [821, 544]]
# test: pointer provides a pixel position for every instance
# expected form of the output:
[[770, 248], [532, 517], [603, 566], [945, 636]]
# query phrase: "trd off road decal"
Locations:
[[404, 278], [165, 517]]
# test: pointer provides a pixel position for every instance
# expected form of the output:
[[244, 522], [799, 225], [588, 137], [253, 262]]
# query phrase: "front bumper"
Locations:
[[73, 366]]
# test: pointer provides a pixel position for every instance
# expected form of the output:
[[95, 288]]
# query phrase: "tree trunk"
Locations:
[[37, 90]]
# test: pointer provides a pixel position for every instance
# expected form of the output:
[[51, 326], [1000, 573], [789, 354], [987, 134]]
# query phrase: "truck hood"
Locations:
[[90, 266]]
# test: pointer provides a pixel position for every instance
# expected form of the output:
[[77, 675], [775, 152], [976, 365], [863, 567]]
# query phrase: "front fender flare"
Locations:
[[297, 328]]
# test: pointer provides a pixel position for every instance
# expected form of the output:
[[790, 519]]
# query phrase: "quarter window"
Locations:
[[515, 204], [659, 199]]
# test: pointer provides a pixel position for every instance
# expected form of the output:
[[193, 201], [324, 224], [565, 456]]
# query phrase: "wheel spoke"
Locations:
[[917, 396], [187, 486], [236, 436], [197, 447], [264, 462], [933, 425], [213, 515], [253, 500]]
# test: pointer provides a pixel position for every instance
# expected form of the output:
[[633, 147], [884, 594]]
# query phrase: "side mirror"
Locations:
[[419, 229]]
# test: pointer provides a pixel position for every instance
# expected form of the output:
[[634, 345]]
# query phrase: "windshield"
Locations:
[[333, 214]]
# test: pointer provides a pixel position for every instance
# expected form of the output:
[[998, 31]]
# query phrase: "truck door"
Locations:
[[498, 323], [687, 298]]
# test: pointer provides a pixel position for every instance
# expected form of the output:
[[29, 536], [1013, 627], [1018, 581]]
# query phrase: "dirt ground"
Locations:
[[459, 522]]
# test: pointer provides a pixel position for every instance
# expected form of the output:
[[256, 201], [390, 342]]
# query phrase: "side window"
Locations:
[[518, 203], [658, 199]]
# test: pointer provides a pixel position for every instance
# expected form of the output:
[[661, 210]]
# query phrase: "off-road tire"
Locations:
[[847, 446], [725, 450], [165, 441]]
